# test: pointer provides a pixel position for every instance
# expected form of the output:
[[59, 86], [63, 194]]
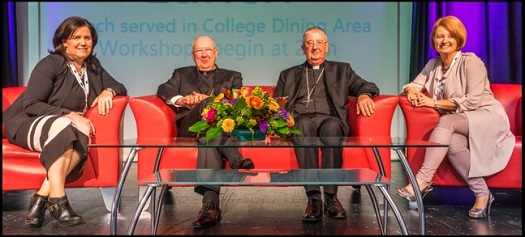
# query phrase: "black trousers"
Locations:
[[331, 130], [208, 158]]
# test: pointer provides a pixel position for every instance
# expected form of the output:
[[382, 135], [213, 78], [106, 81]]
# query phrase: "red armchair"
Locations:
[[155, 119], [421, 121], [22, 170]]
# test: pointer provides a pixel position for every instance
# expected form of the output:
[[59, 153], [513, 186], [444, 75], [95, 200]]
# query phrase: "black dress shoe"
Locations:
[[314, 210], [334, 209], [246, 164], [209, 215], [357, 188]]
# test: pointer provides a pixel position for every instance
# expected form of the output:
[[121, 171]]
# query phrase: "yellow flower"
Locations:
[[272, 105], [218, 98], [205, 111], [228, 125]]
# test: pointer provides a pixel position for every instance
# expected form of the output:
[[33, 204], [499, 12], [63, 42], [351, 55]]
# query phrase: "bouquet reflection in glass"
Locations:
[[244, 109]]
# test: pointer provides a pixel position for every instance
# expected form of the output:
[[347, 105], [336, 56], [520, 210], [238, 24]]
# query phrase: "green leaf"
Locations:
[[283, 130], [212, 133], [240, 104], [294, 130], [246, 112], [234, 93], [199, 126], [281, 123]]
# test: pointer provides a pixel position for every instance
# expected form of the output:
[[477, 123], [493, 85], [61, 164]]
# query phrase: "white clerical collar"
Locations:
[[315, 67], [207, 72]]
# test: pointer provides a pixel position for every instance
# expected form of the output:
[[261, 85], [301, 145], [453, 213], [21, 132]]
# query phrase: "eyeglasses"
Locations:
[[311, 43], [203, 51]]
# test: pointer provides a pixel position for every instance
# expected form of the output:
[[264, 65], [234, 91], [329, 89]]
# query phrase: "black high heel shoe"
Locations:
[[405, 194], [477, 213], [37, 210], [61, 212]]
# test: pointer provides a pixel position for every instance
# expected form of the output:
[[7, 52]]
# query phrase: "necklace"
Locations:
[[445, 69], [308, 91], [82, 80], [439, 89]]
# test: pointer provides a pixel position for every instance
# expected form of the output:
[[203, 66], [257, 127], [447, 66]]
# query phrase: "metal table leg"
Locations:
[[382, 171], [417, 193], [140, 207], [398, 215], [373, 198], [116, 199]]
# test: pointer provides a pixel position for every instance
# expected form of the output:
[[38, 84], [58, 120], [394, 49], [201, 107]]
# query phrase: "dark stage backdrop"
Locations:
[[494, 33]]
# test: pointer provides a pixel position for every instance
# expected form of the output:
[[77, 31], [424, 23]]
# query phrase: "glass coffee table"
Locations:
[[263, 178], [394, 143]]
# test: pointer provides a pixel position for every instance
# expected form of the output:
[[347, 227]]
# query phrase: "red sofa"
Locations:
[[22, 170], [421, 121], [155, 119]]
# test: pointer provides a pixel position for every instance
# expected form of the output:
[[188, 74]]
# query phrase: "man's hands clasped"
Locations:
[[191, 100]]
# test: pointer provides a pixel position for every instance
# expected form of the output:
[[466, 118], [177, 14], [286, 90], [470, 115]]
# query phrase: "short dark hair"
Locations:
[[66, 29]]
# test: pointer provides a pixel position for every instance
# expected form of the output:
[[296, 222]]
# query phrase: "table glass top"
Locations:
[[377, 142], [265, 177]]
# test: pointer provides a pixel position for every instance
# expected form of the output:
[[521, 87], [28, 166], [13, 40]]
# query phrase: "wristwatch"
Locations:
[[112, 91]]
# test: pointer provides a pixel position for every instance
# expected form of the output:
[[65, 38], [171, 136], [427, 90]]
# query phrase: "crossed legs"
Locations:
[[452, 129]]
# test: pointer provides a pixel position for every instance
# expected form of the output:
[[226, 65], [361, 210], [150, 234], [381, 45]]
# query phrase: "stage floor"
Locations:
[[273, 211]]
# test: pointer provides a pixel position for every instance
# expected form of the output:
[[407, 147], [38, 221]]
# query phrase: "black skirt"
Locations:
[[51, 135]]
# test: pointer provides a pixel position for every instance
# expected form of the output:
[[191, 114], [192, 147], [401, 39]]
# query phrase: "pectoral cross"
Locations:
[[308, 91], [307, 102]]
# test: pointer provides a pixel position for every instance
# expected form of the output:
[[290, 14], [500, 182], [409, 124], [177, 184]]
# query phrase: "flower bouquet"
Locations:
[[244, 109]]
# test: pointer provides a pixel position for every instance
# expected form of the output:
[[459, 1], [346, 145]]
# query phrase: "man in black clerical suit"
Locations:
[[318, 93], [187, 92]]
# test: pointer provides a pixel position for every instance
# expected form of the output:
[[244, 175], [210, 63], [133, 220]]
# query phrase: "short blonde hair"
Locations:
[[454, 26]]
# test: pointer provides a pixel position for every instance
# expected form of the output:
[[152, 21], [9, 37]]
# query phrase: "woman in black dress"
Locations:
[[49, 116]]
